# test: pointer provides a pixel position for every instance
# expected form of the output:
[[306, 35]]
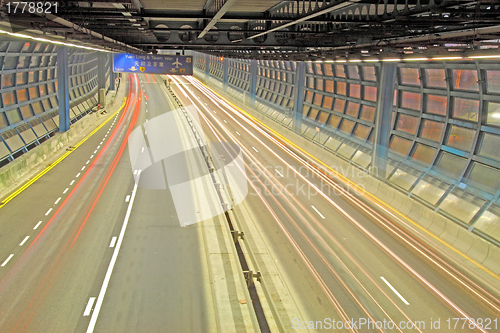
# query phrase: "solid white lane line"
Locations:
[[279, 173], [255, 149], [66, 190], [24, 240], [394, 290], [113, 242], [72, 182], [317, 211], [88, 308], [57, 201], [7, 260], [83, 168], [127, 198], [238, 133], [37, 225], [48, 212], [102, 293], [77, 175]]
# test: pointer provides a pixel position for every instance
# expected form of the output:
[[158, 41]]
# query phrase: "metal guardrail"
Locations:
[[237, 235]]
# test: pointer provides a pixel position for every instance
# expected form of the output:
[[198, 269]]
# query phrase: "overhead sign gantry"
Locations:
[[152, 64]]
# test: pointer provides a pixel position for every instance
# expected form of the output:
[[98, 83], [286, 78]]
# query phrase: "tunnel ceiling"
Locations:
[[296, 30]]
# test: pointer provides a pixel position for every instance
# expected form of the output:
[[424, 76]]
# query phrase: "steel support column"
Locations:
[[253, 81], [63, 87], [112, 74], [298, 95], [207, 67], [101, 76], [225, 72], [385, 97]]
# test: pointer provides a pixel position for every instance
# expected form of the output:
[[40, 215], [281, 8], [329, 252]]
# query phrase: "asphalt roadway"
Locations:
[[159, 282], [338, 258]]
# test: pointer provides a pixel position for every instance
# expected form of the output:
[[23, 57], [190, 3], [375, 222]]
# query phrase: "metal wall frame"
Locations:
[[28, 95]]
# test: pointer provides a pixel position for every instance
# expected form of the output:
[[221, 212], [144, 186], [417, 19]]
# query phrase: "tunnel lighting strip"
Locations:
[[439, 58], [44, 40]]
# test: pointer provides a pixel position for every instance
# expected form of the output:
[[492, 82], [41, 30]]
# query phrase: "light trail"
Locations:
[[391, 226], [343, 212], [305, 220], [89, 174], [395, 229]]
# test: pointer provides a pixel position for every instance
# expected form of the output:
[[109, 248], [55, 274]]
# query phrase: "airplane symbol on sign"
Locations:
[[177, 63]]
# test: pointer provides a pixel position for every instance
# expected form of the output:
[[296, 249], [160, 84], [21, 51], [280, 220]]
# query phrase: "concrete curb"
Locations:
[[27, 162], [479, 250], [464, 240], [492, 261]]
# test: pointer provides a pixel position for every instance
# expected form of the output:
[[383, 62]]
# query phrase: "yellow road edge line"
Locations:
[[351, 184], [52, 165]]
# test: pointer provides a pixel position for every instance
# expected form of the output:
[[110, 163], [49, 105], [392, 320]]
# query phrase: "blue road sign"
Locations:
[[152, 64]]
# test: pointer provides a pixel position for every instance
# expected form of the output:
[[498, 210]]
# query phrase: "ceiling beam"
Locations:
[[337, 5], [217, 17]]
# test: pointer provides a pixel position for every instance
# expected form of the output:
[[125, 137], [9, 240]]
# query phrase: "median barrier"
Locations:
[[464, 240], [437, 225], [426, 219], [450, 232], [373, 185], [492, 261], [479, 249], [406, 202], [416, 210], [388, 195]]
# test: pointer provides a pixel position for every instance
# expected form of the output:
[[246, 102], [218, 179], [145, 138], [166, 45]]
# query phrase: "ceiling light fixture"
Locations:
[[446, 58], [485, 56], [415, 59]]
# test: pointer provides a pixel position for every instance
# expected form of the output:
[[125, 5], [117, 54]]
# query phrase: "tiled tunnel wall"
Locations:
[[28, 98], [445, 130]]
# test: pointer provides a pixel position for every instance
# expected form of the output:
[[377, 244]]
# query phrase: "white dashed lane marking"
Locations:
[[24, 240], [7, 260], [317, 211]]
